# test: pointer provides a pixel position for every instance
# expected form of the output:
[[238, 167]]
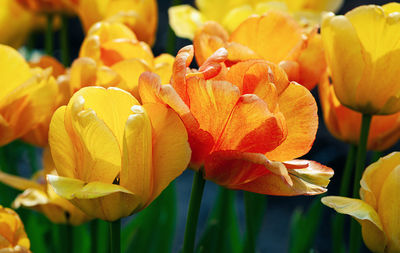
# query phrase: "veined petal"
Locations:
[[306, 178], [299, 108], [171, 150], [82, 74], [137, 172], [118, 50], [371, 224], [178, 79], [185, 20]]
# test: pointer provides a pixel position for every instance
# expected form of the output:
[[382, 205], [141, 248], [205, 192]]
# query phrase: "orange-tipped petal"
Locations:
[[182, 61]]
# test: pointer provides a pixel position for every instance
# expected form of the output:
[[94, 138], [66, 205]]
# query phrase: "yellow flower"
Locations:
[[16, 32], [363, 54], [45, 6], [111, 56], [13, 238], [139, 15], [379, 207], [114, 156], [40, 196], [26, 95], [186, 20]]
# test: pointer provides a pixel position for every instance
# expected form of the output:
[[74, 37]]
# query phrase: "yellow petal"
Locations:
[[101, 200], [391, 7], [163, 67], [389, 208], [19, 182], [346, 62], [137, 169], [375, 176], [371, 224], [171, 151], [236, 16], [185, 20], [217, 9]]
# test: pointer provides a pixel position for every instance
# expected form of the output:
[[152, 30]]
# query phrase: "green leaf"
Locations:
[[38, 229], [99, 234], [153, 229], [222, 229], [304, 226]]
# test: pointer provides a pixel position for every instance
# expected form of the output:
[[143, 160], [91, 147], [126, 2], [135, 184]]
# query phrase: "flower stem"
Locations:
[[115, 236], [93, 234], [193, 212], [49, 35], [69, 238], [64, 41], [250, 241], [355, 231], [338, 224]]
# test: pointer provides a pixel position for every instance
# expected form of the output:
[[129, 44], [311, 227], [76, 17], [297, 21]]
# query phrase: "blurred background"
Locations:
[[280, 212]]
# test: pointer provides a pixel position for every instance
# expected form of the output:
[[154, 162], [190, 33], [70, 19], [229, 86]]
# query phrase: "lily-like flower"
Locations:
[[260, 37], [246, 123], [111, 56], [140, 16], [186, 20], [13, 238], [363, 55], [113, 156], [344, 123], [26, 97], [40, 196], [378, 209]]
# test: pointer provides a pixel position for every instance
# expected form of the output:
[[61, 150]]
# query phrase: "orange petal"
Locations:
[[46, 61], [265, 34], [300, 111], [123, 49], [182, 61]]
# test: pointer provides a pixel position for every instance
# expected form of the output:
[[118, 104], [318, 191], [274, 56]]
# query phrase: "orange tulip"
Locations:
[[66, 6], [140, 16], [26, 95], [344, 123], [274, 36], [13, 238], [112, 155], [245, 123], [40, 196], [111, 56]]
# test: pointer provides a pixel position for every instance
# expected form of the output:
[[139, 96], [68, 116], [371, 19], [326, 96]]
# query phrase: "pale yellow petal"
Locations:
[[185, 20]]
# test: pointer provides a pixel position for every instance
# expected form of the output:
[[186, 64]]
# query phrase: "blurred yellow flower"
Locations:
[[111, 56], [344, 123], [379, 207], [114, 156], [186, 20], [363, 54], [13, 238], [26, 95], [141, 16], [47, 6], [40, 196]]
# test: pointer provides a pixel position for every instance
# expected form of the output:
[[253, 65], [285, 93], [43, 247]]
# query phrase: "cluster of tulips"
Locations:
[[118, 125]]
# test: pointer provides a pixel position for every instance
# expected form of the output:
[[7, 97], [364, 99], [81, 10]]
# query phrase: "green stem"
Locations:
[[193, 212], [69, 238], [115, 236], [355, 231], [49, 35], [64, 41], [338, 224], [93, 235], [227, 198], [250, 241], [376, 155]]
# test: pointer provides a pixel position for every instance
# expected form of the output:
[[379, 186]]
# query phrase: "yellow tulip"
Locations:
[[13, 238], [46, 6], [40, 196], [379, 207], [186, 20], [111, 56], [141, 16], [363, 54], [26, 95], [114, 156]]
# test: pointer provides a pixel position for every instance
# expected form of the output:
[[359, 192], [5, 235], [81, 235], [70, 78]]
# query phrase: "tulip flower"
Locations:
[[26, 97], [186, 20], [260, 37], [113, 156], [344, 123], [140, 16], [112, 56], [13, 238], [363, 57], [214, 102], [378, 209], [49, 6], [40, 196]]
